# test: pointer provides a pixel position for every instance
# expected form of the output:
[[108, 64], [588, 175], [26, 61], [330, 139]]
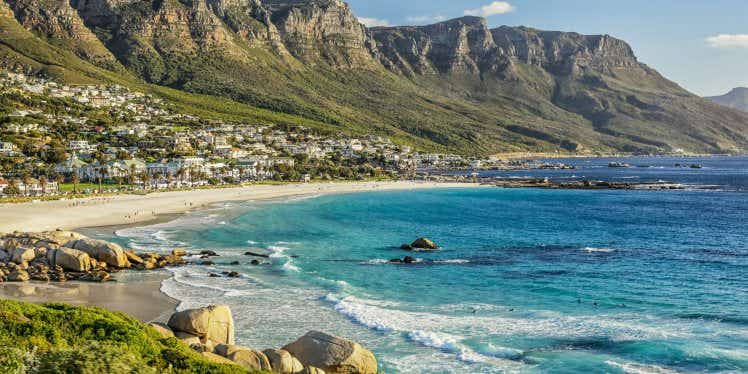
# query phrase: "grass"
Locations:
[[60, 338]]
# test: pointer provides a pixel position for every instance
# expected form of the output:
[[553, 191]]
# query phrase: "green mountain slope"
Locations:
[[454, 86]]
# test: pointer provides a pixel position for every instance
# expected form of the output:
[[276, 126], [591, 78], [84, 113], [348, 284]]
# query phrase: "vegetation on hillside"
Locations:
[[59, 338]]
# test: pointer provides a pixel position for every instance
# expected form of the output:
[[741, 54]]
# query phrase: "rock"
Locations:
[[283, 362], [214, 275], [21, 255], [133, 258], [178, 252], [208, 253], [110, 253], [424, 243], [207, 263], [312, 370], [234, 274], [210, 323], [162, 329], [406, 247], [69, 259], [18, 276], [60, 237], [187, 338], [396, 261], [4, 256], [250, 359], [212, 357], [255, 254], [332, 354], [409, 260], [255, 262], [234, 263]]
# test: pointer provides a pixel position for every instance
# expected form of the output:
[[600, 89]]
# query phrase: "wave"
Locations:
[[598, 250], [279, 258], [634, 368], [453, 261]]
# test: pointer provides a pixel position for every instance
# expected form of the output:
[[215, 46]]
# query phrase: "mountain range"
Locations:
[[455, 86], [737, 98]]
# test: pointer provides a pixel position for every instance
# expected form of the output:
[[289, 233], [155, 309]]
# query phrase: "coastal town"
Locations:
[[58, 139]]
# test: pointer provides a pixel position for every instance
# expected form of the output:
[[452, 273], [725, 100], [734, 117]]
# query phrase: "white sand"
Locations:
[[130, 209]]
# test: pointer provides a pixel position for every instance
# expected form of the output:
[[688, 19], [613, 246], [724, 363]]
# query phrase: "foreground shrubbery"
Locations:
[[59, 338]]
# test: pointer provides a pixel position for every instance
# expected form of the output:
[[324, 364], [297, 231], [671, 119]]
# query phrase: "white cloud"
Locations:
[[497, 7], [374, 22], [426, 19], [728, 41]]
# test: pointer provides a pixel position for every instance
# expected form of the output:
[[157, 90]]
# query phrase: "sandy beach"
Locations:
[[140, 209], [140, 298], [138, 294]]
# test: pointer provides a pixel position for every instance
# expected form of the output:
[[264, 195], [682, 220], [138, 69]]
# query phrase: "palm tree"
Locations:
[[145, 178], [43, 181], [76, 180]]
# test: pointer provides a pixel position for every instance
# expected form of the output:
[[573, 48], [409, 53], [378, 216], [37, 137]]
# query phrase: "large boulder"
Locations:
[[21, 255], [69, 259], [212, 357], [4, 256], [162, 329], [332, 354], [424, 243], [60, 237], [250, 359], [213, 323], [18, 275], [283, 362], [110, 253]]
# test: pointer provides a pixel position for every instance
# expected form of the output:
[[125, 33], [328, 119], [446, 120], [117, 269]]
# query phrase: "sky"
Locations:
[[700, 44]]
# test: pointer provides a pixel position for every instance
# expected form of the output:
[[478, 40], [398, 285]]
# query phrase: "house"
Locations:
[[73, 165], [79, 145], [3, 185], [7, 149]]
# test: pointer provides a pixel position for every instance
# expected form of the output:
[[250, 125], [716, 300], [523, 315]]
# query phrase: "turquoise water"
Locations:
[[526, 280]]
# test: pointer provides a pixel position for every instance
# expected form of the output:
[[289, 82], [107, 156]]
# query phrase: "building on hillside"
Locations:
[[7, 149]]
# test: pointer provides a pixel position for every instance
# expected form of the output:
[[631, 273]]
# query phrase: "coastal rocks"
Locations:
[[21, 255], [178, 252], [162, 330], [212, 357], [424, 243], [18, 275], [283, 362], [405, 260], [255, 254], [110, 253], [133, 258], [332, 354], [213, 323], [69, 259], [250, 359], [207, 253]]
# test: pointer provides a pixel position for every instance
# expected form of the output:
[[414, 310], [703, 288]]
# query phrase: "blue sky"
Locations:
[[700, 44]]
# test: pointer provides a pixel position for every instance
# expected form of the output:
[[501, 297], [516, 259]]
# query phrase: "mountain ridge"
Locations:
[[737, 98], [453, 86]]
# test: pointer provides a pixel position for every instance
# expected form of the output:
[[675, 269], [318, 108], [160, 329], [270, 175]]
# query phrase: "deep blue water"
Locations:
[[525, 281]]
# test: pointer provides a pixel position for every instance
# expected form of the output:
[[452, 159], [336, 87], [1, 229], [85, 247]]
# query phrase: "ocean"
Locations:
[[551, 281]]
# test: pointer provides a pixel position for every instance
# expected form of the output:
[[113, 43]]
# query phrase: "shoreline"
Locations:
[[140, 298], [135, 293], [142, 209]]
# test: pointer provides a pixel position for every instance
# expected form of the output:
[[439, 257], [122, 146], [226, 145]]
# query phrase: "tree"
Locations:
[[145, 178], [43, 181], [76, 180]]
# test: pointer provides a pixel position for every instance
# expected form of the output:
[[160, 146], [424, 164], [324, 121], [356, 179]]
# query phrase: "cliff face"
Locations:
[[456, 85]]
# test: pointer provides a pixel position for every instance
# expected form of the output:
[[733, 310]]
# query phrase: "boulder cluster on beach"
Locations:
[[210, 331], [65, 255]]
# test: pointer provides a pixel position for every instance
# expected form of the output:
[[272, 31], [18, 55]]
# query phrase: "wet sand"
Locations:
[[141, 298]]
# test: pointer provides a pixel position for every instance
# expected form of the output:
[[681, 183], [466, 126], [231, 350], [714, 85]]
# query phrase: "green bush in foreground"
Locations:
[[60, 338]]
